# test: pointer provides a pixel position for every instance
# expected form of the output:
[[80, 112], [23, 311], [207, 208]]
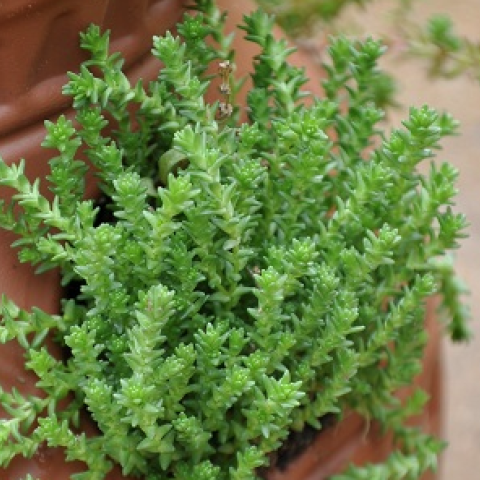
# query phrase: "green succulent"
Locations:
[[238, 280]]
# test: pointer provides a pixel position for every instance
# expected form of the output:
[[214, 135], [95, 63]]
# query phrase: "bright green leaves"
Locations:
[[180, 75], [19, 324], [201, 471], [248, 461], [130, 195], [421, 456], [190, 433], [235, 281], [425, 127], [270, 411], [193, 144], [168, 49], [275, 80], [114, 89], [78, 447]]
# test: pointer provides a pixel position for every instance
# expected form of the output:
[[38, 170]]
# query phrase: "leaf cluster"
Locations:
[[238, 280], [447, 53], [295, 17]]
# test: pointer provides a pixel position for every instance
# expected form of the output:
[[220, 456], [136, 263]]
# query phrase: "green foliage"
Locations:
[[298, 16], [422, 452], [249, 279], [447, 53]]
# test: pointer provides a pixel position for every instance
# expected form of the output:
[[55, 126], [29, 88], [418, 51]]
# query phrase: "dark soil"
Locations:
[[297, 442]]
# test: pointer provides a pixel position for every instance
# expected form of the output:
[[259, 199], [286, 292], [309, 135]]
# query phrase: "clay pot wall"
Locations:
[[39, 43]]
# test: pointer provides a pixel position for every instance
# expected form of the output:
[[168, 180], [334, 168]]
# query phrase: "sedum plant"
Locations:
[[446, 53], [236, 281], [298, 16]]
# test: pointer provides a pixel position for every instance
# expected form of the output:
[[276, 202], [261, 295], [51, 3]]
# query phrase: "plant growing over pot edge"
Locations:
[[247, 279]]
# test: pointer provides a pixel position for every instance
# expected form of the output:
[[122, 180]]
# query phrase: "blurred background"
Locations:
[[461, 97]]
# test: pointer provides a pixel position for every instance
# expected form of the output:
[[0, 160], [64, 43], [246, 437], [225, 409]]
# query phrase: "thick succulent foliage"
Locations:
[[239, 280]]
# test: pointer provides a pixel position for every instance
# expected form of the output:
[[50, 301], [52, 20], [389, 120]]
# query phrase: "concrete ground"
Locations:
[[460, 97]]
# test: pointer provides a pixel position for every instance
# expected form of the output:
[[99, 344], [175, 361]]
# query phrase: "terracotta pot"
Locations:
[[354, 441]]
